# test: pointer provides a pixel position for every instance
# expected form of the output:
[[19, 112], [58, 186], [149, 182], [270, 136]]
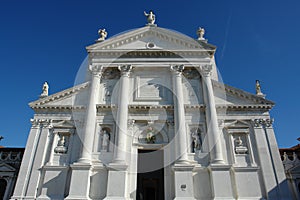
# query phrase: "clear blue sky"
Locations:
[[45, 41]]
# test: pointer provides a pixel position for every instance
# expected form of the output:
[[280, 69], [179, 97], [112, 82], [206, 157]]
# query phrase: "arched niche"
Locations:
[[140, 136]]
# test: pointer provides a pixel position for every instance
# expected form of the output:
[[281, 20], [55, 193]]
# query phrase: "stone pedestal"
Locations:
[[80, 183], [117, 182], [222, 182], [54, 182], [184, 186], [247, 183]]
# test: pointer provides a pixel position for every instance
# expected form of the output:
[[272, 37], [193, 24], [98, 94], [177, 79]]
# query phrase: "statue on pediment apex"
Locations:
[[150, 17], [102, 35]]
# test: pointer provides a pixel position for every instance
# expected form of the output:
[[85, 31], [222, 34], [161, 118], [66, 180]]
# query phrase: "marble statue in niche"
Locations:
[[196, 140], [240, 147], [61, 145], [105, 139]]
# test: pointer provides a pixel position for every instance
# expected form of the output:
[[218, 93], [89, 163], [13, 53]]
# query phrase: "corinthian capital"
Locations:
[[263, 122], [96, 70], [178, 69], [205, 70], [125, 69], [35, 123]]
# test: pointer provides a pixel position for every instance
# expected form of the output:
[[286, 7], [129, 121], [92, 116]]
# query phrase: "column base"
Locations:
[[80, 174], [221, 174], [116, 184], [184, 185]]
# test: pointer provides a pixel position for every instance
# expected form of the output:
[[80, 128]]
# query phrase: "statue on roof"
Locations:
[[102, 35], [45, 90], [150, 17], [258, 88], [200, 33]]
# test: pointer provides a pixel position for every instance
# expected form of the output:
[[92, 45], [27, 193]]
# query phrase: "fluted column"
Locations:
[[213, 132], [91, 112], [179, 113], [122, 115]]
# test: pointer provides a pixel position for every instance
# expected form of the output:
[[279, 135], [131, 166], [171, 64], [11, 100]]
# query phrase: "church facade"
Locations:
[[151, 121]]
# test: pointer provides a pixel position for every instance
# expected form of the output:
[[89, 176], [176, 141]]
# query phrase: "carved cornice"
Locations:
[[154, 107], [235, 107], [61, 108], [195, 107], [106, 107]]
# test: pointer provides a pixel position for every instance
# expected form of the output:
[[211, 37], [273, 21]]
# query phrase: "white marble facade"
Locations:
[[151, 90]]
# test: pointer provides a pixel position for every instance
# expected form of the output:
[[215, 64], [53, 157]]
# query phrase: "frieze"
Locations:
[[111, 73]]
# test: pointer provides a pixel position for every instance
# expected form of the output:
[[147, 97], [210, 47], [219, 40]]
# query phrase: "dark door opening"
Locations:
[[150, 178]]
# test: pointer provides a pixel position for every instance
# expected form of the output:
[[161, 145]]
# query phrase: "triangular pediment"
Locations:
[[64, 124], [151, 38], [230, 96], [6, 168], [65, 99]]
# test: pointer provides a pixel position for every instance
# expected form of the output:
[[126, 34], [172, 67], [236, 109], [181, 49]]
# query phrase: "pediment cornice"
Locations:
[[187, 43], [260, 101], [60, 95]]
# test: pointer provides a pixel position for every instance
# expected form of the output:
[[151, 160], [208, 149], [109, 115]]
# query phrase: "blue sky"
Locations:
[[45, 41]]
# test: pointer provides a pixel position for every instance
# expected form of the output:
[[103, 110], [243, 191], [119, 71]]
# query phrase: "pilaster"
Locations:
[[33, 159], [275, 183]]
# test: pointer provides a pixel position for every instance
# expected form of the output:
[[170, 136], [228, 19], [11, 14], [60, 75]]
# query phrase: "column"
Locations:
[[117, 176], [122, 115], [91, 112], [81, 169], [179, 114], [183, 170], [213, 132]]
